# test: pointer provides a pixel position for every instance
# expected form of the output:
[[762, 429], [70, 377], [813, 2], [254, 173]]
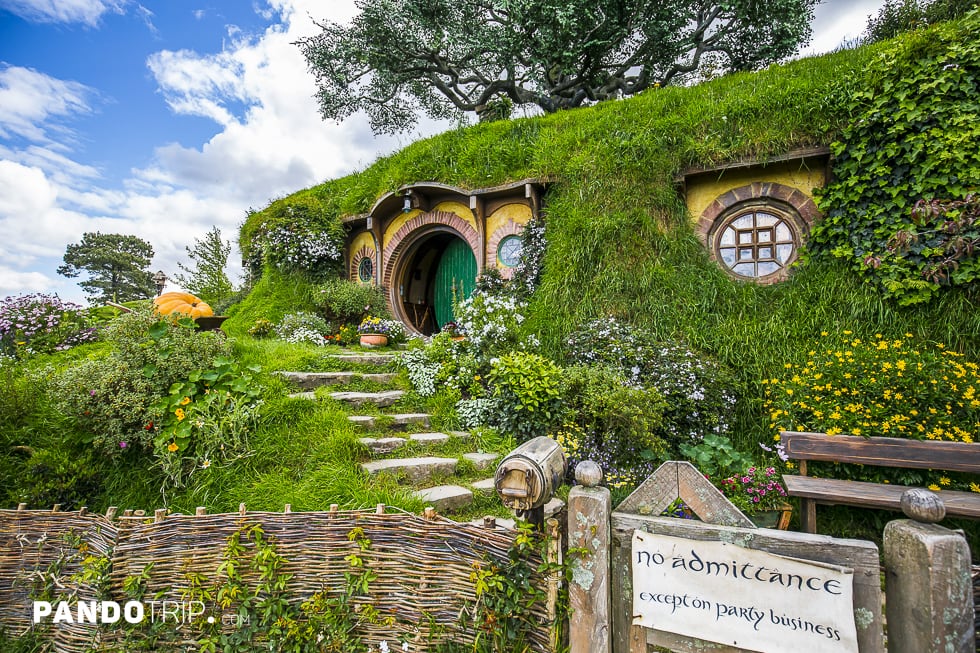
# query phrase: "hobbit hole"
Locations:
[[426, 243]]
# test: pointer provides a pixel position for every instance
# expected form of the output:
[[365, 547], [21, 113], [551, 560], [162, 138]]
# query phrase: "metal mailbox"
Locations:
[[528, 476]]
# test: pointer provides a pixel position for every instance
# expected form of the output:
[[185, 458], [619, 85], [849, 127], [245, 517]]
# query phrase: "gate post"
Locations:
[[589, 510], [928, 589]]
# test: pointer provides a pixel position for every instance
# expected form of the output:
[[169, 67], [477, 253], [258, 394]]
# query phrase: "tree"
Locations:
[[117, 265], [442, 57], [208, 279], [897, 16]]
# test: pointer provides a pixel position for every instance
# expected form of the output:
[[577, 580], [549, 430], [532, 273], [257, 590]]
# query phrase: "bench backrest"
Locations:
[[883, 452]]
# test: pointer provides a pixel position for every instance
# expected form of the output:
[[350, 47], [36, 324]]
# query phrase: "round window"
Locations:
[[757, 243], [509, 250], [365, 269]]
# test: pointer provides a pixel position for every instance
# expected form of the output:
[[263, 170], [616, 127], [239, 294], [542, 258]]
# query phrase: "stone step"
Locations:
[[380, 399], [414, 470], [462, 435], [486, 486], [446, 498], [313, 380], [364, 359], [429, 438], [481, 460], [383, 445], [399, 421]]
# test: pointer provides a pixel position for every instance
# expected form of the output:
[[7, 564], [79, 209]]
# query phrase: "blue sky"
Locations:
[[164, 118]]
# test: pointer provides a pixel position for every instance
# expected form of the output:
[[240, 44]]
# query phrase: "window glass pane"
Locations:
[[768, 267], [765, 219], [765, 252], [728, 256], [745, 238], [745, 222], [783, 252], [745, 254], [745, 269], [509, 250], [782, 232], [764, 235], [727, 237]]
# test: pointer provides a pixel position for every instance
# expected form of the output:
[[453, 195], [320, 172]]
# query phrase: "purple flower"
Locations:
[[91, 393], [122, 445]]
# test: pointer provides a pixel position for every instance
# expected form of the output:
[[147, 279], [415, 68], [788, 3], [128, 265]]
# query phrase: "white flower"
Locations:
[[383, 646]]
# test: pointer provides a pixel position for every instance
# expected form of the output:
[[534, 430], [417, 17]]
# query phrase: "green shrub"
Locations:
[[528, 390], [615, 425], [64, 476], [348, 302], [303, 327], [295, 234], [112, 396], [443, 363], [912, 136]]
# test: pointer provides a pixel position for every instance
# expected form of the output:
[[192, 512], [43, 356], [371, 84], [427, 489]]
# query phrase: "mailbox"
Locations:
[[529, 475]]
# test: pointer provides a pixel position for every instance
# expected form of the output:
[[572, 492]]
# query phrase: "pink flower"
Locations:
[[122, 445]]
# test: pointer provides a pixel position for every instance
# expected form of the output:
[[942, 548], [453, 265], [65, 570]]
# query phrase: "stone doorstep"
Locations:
[[446, 497], [380, 399], [481, 460], [429, 438], [382, 445], [399, 421], [415, 470], [312, 380]]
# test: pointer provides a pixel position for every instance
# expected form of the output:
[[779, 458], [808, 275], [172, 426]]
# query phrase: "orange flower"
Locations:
[[172, 447]]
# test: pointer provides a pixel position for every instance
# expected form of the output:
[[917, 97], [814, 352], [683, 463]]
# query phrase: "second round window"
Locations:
[[757, 243], [509, 250]]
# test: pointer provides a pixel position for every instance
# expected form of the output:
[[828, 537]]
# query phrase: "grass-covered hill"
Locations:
[[620, 241]]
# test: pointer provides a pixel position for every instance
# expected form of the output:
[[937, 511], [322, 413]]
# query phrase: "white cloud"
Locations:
[[87, 12], [32, 103]]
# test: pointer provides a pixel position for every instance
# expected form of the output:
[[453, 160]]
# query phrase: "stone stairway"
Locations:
[[439, 478]]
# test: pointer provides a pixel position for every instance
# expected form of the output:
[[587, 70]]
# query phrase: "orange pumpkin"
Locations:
[[182, 302]]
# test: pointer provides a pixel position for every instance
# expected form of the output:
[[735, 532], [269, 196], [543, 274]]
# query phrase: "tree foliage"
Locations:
[[207, 279], [117, 266], [913, 138], [451, 56], [897, 16]]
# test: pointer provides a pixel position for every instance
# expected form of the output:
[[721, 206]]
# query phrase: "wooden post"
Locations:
[[928, 588], [589, 507], [201, 511], [159, 515], [553, 530]]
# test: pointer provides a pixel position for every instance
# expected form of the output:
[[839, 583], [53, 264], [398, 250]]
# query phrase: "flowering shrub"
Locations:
[[294, 235], [347, 301], [879, 387], [492, 324], [301, 327], [527, 273], [442, 363], [698, 390], [205, 420], [112, 396], [262, 328], [755, 490], [38, 323], [391, 328]]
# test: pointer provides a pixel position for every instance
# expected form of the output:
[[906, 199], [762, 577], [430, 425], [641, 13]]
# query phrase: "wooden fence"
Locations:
[[423, 566]]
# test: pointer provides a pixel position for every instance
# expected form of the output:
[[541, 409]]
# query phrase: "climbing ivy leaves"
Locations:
[[913, 136]]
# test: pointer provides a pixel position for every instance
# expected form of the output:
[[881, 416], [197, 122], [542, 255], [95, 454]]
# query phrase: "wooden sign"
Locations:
[[740, 597]]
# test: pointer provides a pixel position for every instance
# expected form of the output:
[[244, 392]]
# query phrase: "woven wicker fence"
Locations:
[[423, 567]]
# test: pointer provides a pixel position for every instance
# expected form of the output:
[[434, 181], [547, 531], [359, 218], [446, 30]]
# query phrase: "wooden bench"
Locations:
[[881, 452]]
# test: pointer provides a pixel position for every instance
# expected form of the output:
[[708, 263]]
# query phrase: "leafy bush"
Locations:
[[206, 419], [528, 392], [347, 302], [716, 456], [912, 137], [898, 16], [302, 327], [527, 273], [59, 476], [880, 387], [443, 362], [612, 423], [39, 323], [112, 397], [262, 328], [698, 390]]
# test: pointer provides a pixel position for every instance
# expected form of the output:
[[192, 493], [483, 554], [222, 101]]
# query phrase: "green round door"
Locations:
[[456, 273]]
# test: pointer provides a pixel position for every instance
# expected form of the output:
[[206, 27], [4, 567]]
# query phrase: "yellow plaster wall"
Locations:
[[458, 208], [518, 213], [702, 191], [363, 239]]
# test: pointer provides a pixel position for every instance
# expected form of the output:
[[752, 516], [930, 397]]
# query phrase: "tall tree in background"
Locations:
[[207, 279], [117, 266], [443, 57], [897, 16]]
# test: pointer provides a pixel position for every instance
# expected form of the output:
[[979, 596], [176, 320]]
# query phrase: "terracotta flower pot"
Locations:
[[374, 340]]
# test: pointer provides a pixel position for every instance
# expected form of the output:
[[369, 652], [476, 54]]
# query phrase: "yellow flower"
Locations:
[[179, 413], [935, 488], [172, 447], [185, 401], [974, 487], [944, 481]]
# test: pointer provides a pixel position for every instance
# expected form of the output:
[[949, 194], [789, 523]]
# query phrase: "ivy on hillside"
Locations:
[[913, 136]]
